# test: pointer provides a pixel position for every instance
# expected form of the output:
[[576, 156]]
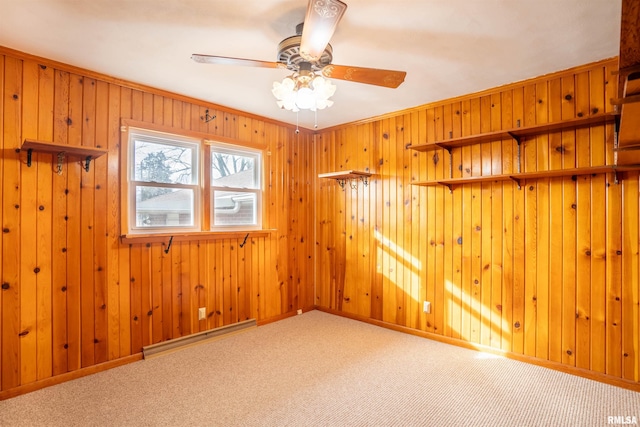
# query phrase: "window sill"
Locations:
[[196, 235]]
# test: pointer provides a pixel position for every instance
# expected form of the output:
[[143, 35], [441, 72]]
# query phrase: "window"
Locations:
[[235, 187], [186, 183], [164, 182]]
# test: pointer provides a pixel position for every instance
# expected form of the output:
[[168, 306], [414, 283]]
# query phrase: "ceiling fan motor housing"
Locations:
[[289, 54]]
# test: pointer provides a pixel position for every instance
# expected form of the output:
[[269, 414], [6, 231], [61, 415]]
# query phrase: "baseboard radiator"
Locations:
[[197, 338]]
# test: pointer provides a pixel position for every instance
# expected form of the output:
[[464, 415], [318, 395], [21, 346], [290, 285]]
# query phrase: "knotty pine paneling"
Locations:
[[73, 296], [548, 271]]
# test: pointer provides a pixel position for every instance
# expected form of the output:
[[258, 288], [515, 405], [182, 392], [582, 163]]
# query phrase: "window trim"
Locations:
[[205, 232]]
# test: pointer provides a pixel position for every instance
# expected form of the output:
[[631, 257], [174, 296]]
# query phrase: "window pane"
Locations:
[[233, 170], [164, 207], [234, 208], [163, 163]]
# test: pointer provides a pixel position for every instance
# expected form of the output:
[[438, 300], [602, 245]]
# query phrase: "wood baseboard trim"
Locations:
[[284, 316], [580, 372], [68, 376]]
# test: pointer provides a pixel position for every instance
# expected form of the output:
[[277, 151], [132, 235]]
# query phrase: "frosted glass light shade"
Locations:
[[295, 94]]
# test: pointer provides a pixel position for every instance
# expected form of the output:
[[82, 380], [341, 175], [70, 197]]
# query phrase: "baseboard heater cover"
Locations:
[[174, 344]]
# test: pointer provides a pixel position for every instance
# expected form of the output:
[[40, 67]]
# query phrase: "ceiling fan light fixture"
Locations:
[[303, 91], [285, 94], [305, 98]]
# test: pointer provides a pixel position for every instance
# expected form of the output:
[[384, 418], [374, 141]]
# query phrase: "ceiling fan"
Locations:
[[308, 54]]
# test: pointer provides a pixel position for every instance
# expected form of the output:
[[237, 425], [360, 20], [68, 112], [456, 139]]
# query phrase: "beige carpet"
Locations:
[[325, 370]]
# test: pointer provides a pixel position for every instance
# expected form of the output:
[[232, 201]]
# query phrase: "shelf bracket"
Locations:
[[365, 180], [449, 186], [616, 131], [519, 152], [60, 161], [517, 181], [87, 161], [341, 183], [354, 184], [29, 153], [448, 149]]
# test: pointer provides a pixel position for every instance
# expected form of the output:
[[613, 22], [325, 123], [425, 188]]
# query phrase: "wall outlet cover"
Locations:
[[426, 307]]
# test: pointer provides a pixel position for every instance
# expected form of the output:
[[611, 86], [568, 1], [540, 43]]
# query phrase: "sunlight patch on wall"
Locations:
[[393, 247], [388, 252]]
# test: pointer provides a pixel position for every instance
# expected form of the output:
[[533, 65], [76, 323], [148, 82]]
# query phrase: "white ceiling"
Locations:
[[447, 47]]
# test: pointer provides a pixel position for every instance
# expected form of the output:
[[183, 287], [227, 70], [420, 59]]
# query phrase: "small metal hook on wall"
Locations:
[[207, 117], [166, 251]]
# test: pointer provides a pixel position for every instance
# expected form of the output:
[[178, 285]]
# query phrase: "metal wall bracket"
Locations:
[[166, 251], [207, 117], [616, 142], [353, 182], [60, 161], [61, 155], [87, 161], [519, 152], [450, 161]]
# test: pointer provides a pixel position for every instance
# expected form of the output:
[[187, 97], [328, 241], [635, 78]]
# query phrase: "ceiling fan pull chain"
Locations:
[[297, 129], [315, 123]]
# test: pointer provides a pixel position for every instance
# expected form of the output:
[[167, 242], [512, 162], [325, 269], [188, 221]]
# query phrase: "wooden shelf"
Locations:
[[50, 147], [349, 175], [87, 153], [517, 133], [520, 177], [190, 236]]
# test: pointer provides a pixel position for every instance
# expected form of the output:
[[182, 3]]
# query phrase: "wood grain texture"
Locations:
[[547, 270], [75, 295]]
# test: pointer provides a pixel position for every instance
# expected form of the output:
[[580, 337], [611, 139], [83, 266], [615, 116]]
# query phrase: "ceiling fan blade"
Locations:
[[319, 25], [223, 60], [370, 76]]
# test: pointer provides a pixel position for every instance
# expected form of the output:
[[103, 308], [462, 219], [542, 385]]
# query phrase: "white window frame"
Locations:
[[155, 137], [232, 149]]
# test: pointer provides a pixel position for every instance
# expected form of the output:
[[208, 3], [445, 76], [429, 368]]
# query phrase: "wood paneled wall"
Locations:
[[73, 296], [548, 271]]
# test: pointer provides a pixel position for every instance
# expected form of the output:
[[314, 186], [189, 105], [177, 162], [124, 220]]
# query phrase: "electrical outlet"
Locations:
[[426, 307], [202, 313]]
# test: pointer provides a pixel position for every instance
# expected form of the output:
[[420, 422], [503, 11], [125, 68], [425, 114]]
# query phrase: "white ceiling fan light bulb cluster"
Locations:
[[285, 94], [298, 92], [324, 90]]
